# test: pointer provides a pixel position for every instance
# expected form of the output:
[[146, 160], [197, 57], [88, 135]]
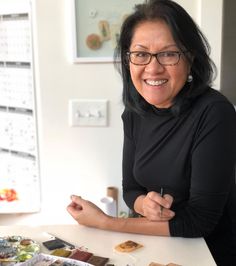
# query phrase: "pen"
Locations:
[[162, 194], [63, 241]]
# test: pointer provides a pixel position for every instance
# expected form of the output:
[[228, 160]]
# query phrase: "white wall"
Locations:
[[210, 21], [81, 160]]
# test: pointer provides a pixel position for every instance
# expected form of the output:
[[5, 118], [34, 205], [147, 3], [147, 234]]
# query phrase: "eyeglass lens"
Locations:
[[164, 58]]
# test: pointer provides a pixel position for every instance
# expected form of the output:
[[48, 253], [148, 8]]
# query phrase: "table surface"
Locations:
[[164, 250]]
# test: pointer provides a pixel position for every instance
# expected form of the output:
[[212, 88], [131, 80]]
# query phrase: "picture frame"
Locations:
[[96, 28]]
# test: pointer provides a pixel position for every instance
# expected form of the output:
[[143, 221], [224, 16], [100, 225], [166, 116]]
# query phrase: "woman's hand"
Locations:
[[86, 213], [155, 207]]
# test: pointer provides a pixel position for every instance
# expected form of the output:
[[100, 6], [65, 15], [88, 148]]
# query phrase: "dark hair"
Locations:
[[187, 36]]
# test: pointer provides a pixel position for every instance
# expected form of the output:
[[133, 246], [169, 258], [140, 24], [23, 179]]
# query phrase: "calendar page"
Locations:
[[19, 160]]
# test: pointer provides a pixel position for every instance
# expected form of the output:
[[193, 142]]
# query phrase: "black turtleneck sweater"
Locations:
[[192, 156]]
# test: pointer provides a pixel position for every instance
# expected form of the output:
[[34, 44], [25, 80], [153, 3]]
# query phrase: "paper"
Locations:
[[108, 205]]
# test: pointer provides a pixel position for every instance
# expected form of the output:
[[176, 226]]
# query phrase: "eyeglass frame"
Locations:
[[156, 56]]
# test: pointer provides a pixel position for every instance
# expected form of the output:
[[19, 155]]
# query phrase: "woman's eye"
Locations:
[[168, 54], [141, 54]]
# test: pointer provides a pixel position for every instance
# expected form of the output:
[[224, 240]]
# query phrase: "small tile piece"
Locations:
[[60, 252], [128, 246], [98, 261], [80, 255]]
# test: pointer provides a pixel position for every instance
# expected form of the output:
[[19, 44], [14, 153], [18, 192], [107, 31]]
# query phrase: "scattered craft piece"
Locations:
[[104, 30], [26, 242], [61, 252], [80, 255], [53, 244], [98, 261], [93, 41], [128, 246]]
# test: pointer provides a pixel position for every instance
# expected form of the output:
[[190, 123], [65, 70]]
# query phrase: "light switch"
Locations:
[[86, 112]]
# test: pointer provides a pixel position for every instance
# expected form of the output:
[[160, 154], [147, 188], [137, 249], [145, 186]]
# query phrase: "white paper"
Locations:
[[108, 205]]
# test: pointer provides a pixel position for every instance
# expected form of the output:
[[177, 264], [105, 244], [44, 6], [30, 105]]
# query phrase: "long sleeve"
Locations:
[[192, 156], [212, 173], [131, 188]]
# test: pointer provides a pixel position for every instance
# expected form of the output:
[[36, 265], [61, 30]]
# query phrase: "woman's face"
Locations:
[[156, 83]]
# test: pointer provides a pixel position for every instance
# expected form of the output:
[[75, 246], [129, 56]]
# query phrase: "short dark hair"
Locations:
[[187, 36]]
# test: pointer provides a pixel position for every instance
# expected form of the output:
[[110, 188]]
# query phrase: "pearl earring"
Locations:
[[190, 78]]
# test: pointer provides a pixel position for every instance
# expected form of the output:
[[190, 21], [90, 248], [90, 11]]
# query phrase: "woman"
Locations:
[[179, 135]]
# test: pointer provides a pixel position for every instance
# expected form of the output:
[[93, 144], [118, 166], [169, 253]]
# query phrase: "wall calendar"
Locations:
[[19, 160]]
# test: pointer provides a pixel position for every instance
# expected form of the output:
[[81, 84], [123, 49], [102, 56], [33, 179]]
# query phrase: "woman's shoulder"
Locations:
[[213, 98], [213, 106], [129, 115]]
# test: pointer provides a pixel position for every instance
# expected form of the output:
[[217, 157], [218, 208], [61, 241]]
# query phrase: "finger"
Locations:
[[71, 210], [166, 213], [74, 210], [154, 196], [164, 216], [169, 198], [75, 206], [166, 201], [77, 199]]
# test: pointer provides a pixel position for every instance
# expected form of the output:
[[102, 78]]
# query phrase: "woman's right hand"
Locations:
[[155, 207], [86, 213]]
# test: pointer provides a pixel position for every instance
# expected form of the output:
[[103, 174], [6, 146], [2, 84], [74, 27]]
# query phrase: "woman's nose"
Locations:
[[154, 66]]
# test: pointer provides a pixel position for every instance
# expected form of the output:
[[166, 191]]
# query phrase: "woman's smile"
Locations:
[[158, 84], [152, 82]]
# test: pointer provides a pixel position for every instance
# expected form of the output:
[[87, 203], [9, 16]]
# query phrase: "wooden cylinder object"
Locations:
[[113, 193]]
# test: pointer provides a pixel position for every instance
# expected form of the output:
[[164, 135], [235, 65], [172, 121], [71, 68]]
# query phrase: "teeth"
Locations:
[[156, 82]]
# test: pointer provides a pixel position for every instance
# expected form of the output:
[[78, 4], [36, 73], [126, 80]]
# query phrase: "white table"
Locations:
[[186, 252]]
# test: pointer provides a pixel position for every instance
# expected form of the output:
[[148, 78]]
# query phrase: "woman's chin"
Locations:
[[158, 104]]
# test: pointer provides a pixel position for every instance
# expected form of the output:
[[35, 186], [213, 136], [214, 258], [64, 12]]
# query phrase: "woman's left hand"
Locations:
[[157, 208], [85, 212]]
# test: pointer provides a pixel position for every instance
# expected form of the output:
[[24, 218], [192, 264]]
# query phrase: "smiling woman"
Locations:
[[179, 147], [158, 80]]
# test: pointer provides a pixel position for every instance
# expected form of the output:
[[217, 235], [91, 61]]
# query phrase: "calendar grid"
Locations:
[[19, 160]]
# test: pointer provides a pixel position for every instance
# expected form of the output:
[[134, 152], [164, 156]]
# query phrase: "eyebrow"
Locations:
[[163, 48]]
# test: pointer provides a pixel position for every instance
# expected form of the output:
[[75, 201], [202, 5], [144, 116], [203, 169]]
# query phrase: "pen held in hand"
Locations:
[[162, 194]]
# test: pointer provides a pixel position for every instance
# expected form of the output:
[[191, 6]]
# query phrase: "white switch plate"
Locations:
[[86, 112]]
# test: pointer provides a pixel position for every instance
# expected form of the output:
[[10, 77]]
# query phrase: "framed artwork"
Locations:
[[96, 28]]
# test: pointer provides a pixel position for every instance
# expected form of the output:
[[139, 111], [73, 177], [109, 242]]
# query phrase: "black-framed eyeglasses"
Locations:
[[166, 58]]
